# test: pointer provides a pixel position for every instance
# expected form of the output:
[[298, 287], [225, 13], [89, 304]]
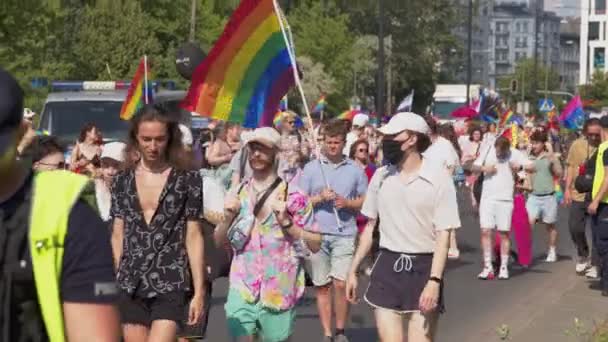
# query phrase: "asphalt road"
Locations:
[[472, 306]]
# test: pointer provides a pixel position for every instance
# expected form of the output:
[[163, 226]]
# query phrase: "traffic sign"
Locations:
[[545, 105]]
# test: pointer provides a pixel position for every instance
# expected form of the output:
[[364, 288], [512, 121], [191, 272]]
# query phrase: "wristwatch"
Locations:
[[436, 279]]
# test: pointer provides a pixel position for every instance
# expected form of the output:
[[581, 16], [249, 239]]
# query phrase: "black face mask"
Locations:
[[391, 150]]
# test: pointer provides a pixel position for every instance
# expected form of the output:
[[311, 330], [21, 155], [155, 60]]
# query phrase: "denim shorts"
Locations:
[[542, 208], [333, 260]]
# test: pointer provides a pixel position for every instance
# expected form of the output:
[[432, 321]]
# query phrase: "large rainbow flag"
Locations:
[[248, 70], [136, 95]]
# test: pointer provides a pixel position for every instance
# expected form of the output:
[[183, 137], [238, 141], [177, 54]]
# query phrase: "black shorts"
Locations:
[[397, 281], [143, 311]]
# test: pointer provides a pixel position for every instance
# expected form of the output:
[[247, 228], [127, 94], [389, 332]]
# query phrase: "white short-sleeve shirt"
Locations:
[[412, 210], [499, 186], [443, 152]]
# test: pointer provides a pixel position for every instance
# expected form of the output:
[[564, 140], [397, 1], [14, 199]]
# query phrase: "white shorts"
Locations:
[[495, 214]]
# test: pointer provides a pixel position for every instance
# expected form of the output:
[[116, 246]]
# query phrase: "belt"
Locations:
[[544, 195]]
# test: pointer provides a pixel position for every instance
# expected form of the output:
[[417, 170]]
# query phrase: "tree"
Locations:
[[597, 90], [524, 74]]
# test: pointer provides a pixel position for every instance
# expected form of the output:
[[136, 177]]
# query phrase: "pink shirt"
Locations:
[[269, 268]]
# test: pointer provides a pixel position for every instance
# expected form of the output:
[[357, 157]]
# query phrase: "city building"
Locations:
[[512, 38], [569, 52], [482, 12], [593, 42]]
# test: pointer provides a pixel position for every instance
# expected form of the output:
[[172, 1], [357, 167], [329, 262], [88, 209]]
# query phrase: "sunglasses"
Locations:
[[255, 146], [362, 150], [593, 135]]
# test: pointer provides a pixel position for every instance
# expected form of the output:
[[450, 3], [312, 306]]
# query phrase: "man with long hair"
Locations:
[[156, 238]]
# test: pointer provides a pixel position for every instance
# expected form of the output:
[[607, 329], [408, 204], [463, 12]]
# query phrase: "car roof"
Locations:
[[109, 95]]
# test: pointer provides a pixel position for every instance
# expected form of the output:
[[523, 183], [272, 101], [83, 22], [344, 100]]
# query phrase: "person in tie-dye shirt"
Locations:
[[267, 273]]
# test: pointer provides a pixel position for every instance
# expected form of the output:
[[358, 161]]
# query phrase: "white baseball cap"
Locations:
[[187, 139], [114, 150], [405, 121], [28, 113], [267, 136], [360, 120]]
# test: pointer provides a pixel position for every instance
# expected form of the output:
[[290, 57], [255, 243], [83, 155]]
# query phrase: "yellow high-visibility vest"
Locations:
[[599, 171], [54, 195]]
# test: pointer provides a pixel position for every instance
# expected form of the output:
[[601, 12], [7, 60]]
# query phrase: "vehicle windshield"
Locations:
[[443, 110], [66, 119]]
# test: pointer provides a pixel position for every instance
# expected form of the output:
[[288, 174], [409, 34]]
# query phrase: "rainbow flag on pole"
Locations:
[[249, 69], [505, 118], [140, 92], [320, 106]]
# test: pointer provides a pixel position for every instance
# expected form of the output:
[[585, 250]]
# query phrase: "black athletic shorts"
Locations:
[[397, 281], [143, 311]]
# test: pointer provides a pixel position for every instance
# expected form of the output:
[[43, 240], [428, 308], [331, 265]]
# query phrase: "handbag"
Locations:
[[584, 182], [240, 229]]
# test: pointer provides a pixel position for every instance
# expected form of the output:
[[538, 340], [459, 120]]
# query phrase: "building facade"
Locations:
[[593, 39], [512, 38], [569, 54]]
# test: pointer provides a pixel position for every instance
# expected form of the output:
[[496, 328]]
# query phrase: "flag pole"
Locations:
[[146, 79], [298, 81]]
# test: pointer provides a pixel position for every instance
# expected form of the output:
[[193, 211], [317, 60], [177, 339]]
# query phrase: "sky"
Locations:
[[564, 8]]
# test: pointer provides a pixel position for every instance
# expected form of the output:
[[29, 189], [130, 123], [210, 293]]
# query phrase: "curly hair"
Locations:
[[86, 129], [175, 154]]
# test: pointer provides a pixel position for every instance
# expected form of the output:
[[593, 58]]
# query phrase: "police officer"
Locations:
[[57, 280]]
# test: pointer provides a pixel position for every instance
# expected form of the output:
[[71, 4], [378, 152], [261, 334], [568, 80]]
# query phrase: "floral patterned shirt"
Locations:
[[154, 259], [269, 268]]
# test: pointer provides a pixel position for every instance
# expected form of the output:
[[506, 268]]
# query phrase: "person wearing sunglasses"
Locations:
[[581, 150], [47, 154]]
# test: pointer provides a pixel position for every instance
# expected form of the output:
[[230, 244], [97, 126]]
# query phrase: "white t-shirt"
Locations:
[[412, 210], [442, 152], [499, 186], [351, 137]]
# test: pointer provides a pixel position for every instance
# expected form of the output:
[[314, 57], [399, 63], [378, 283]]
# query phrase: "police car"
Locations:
[[71, 105]]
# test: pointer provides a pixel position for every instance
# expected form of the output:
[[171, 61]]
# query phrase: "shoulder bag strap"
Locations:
[[260, 203]]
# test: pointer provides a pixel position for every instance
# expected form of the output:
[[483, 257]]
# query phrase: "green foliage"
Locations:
[[524, 74], [597, 90], [104, 39]]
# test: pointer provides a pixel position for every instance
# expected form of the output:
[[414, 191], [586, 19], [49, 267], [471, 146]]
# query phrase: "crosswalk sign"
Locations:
[[545, 105]]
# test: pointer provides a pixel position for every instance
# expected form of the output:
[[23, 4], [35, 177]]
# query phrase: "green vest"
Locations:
[[54, 195], [598, 177]]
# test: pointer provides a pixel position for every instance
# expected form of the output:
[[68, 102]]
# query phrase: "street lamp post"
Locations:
[[381, 57]]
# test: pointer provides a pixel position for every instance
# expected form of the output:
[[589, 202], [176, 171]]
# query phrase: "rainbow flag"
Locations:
[[505, 118], [248, 70], [348, 115], [559, 193], [276, 121], [320, 106], [283, 106], [572, 116], [136, 95]]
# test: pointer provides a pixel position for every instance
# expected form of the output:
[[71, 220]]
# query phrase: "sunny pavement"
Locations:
[[538, 304]]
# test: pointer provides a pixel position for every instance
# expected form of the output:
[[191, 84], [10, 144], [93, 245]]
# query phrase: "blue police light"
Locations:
[[59, 86], [38, 82]]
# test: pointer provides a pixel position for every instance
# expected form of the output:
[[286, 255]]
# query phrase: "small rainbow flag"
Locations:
[[140, 92], [320, 106], [505, 118], [348, 115], [559, 193], [248, 70], [283, 105]]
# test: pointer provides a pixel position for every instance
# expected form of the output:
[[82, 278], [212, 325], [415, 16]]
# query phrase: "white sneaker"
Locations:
[[581, 267], [503, 273], [591, 272], [453, 253], [551, 256], [486, 274]]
